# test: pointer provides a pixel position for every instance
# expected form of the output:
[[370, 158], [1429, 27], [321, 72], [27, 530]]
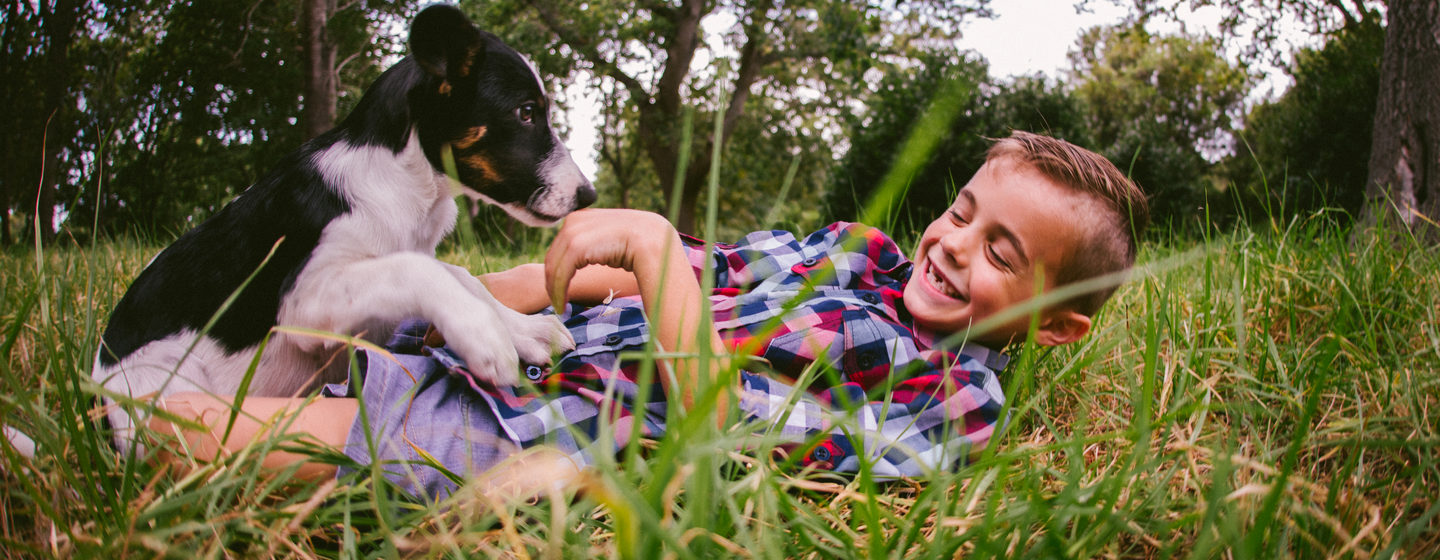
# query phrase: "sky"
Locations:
[[1024, 37]]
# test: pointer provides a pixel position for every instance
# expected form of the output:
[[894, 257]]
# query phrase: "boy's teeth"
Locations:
[[941, 284]]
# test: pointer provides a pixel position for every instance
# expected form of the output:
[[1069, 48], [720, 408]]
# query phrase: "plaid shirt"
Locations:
[[826, 309]]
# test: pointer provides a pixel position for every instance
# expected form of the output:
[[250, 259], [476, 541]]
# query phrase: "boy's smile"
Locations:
[[1007, 225]]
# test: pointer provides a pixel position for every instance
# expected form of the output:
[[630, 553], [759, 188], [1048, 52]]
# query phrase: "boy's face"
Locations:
[[984, 253]]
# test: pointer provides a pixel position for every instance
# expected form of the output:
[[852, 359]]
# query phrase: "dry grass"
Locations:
[[1274, 395]]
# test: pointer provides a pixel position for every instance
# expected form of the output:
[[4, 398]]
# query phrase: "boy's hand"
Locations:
[[633, 240], [645, 244]]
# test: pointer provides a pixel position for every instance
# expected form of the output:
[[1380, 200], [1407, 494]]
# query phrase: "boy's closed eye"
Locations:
[[1000, 261], [1002, 247]]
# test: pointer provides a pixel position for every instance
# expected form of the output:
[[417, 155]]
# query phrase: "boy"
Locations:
[[907, 374]]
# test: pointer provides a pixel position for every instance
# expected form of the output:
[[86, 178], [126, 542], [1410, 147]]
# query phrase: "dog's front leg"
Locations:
[[536, 337], [377, 293]]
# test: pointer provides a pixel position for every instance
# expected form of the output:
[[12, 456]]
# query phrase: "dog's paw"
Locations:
[[492, 364], [538, 337], [489, 353]]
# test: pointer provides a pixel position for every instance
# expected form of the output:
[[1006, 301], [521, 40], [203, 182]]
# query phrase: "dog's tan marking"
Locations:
[[470, 59], [473, 135], [482, 164]]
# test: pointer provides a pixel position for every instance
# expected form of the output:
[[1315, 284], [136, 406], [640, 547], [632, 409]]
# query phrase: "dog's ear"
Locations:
[[445, 43]]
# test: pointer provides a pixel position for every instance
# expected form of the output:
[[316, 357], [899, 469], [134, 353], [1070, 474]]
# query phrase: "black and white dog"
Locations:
[[353, 218]]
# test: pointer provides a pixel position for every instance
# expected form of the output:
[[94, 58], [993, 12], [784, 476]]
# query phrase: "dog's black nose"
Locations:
[[585, 196]]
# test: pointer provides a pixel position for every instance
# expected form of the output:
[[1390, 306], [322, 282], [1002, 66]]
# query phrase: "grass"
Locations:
[[1264, 393], [1274, 394]]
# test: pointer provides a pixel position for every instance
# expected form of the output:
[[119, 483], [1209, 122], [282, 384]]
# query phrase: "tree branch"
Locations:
[[245, 36], [751, 61], [678, 56], [662, 10], [586, 49], [1339, 5]]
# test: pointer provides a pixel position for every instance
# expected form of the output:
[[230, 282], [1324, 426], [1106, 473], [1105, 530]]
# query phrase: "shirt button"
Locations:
[[821, 454], [867, 360], [812, 261], [871, 298], [612, 340], [534, 373]]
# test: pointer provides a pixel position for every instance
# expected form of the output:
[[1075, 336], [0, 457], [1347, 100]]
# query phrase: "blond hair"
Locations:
[[1109, 244]]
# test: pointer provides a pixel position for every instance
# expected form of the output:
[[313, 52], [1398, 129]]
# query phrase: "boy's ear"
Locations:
[[1062, 326]]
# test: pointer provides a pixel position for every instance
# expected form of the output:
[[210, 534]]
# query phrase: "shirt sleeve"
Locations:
[[926, 423], [742, 264], [853, 251]]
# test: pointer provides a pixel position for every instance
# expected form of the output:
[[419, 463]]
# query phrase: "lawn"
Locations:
[[1266, 392]]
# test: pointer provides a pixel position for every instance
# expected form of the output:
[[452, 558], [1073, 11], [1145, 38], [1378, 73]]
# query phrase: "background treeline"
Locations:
[[146, 116]]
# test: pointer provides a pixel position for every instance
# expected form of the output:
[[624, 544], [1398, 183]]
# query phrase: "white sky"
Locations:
[[1028, 36], [1024, 37]]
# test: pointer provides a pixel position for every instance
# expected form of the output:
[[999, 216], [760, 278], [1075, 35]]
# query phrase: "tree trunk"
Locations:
[[59, 27], [1404, 182], [318, 115], [697, 174], [9, 57]]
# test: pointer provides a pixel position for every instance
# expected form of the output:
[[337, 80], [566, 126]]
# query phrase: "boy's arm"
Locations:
[[647, 245], [523, 288]]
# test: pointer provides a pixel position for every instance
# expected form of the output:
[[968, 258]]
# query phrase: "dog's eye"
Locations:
[[526, 113]]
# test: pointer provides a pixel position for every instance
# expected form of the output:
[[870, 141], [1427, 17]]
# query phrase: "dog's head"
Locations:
[[482, 105]]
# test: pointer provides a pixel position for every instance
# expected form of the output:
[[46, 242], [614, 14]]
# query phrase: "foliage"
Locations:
[[757, 161], [175, 107], [1310, 148], [1258, 394], [992, 110], [1405, 102], [36, 39], [791, 66], [1162, 107], [1260, 24]]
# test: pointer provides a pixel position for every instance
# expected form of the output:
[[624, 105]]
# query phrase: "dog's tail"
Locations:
[[21, 442]]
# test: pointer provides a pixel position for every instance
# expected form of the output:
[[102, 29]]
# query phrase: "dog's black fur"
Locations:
[[353, 217], [187, 283]]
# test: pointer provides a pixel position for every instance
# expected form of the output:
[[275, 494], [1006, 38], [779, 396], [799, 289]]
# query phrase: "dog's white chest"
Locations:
[[397, 201]]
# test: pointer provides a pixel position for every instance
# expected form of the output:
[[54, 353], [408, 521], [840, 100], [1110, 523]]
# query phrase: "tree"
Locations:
[[189, 103], [642, 55], [1161, 107], [174, 106], [318, 55], [892, 112], [1154, 105], [1402, 181], [1404, 178], [37, 39], [1310, 149], [772, 140]]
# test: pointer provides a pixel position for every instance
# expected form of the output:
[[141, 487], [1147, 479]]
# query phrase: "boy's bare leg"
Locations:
[[529, 474], [323, 421]]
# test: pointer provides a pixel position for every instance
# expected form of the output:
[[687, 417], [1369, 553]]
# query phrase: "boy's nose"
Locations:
[[956, 245]]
